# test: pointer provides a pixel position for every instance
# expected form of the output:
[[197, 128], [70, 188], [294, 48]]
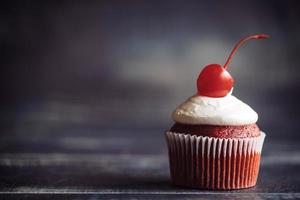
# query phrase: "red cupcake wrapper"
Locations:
[[214, 163]]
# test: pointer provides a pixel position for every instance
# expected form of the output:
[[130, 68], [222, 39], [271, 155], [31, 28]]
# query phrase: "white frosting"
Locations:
[[226, 110]]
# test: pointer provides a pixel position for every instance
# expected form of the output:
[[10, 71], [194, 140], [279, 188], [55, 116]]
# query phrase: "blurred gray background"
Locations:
[[88, 88], [117, 69]]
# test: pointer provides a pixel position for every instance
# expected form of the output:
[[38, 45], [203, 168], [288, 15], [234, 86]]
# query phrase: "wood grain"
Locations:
[[42, 158]]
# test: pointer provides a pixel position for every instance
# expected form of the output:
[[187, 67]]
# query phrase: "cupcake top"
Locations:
[[214, 111], [214, 103], [222, 111]]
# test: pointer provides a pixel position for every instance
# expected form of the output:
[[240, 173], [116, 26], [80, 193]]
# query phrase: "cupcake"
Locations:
[[215, 142]]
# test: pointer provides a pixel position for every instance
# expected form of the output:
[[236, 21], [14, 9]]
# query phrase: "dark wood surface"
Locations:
[[48, 156]]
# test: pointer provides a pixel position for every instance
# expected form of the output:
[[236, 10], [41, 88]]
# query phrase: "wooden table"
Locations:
[[46, 156]]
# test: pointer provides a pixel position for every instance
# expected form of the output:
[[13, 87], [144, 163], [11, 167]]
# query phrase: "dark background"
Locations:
[[102, 77]]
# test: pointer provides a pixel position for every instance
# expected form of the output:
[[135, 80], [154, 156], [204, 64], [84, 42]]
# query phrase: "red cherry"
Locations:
[[214, 80]]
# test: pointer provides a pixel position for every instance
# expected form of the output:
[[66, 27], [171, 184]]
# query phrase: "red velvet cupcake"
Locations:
[[215, 142]]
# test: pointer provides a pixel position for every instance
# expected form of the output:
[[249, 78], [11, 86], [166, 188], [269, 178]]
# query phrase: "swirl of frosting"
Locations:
[[224, 111]]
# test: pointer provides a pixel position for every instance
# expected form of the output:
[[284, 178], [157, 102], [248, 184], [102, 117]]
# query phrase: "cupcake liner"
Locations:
[[214, 163]]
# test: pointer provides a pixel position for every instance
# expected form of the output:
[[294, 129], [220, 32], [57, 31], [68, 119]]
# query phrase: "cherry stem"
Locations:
[[240, 43]]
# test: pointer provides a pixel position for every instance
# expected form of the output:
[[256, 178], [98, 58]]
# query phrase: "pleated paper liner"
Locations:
[[214, 163]]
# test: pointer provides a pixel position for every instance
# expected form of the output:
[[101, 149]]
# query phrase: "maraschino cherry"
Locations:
[[214, 80]]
